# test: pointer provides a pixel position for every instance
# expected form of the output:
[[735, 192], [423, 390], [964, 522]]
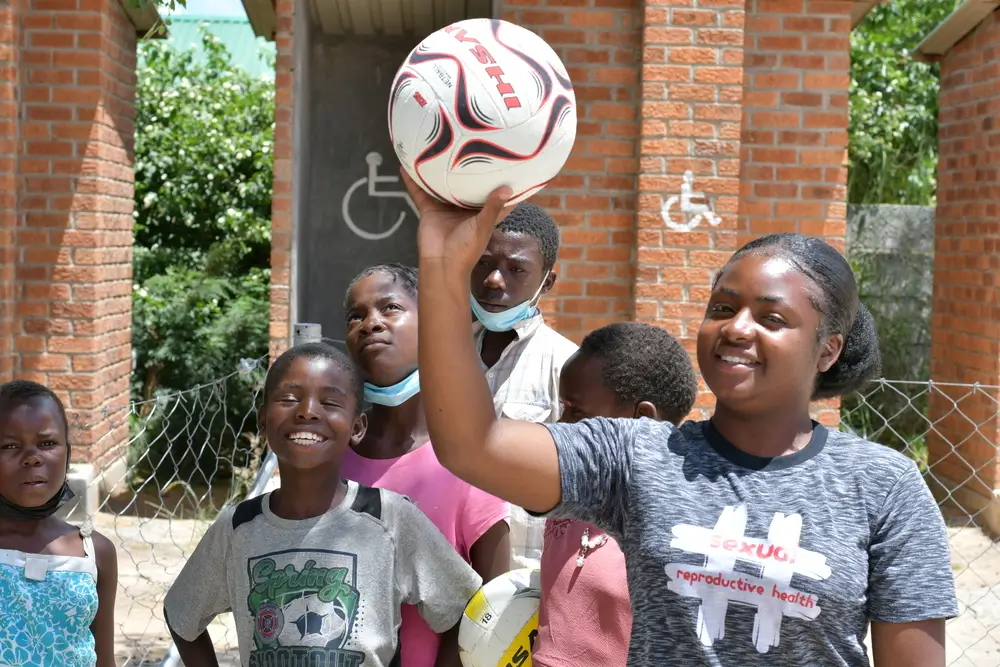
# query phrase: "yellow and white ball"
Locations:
[[500, 623]]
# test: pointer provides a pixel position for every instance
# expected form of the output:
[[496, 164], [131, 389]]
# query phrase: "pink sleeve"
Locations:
[[480, 513]]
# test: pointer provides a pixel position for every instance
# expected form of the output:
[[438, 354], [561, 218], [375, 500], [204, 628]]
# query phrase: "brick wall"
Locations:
[[794, 151], [281, 200], [691, 98], [594, 197], [793, 171], [661, 87], [9, 129], [74, 231], [965, 346]]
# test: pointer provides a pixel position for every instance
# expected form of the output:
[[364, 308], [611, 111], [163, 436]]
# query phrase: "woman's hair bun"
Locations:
[[859, 363]]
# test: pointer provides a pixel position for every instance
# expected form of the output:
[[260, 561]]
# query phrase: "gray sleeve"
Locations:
[[201, 590], [595, 468], [429, 572], [909, 561]]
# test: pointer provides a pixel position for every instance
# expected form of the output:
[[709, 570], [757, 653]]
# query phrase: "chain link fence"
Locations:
[[951, 431], [192, 453], [189, 455]]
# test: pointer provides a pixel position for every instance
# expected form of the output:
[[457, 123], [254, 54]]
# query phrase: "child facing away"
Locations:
[[316, 571], [57, 581], [627, 370]]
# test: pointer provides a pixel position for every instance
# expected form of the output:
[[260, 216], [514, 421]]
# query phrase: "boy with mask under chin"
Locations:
[[521, 355]]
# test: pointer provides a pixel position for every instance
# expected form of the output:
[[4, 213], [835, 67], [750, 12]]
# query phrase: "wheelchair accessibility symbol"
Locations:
[[373, 180], [694, 208]]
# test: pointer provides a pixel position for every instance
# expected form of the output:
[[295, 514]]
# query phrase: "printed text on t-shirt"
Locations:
[[716, 583]]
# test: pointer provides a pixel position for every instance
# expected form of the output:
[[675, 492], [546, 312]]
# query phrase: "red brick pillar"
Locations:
[[794, 138], [74, 233], [282, 197], [796, 74], [965, 321], [692, 75], [593, 199], [9, 131]]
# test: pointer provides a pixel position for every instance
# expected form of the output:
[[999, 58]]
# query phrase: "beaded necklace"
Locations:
[[587, 545]]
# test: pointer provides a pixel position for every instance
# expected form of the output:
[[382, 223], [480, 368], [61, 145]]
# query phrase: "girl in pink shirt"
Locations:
[[381, 313], [628, 369]]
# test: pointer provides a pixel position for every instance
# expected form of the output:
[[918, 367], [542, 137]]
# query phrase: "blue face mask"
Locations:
[[397, 394], [506, 320]]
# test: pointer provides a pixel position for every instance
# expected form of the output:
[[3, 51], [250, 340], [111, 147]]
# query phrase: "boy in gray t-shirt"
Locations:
[[315, 572]]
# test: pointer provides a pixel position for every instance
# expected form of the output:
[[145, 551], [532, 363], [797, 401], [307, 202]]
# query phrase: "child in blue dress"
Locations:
[[57, 581]]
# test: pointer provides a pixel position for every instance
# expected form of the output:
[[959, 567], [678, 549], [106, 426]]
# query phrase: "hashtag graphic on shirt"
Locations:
[[716, 583]]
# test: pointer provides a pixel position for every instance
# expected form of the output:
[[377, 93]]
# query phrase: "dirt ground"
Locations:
[[151, 553], [152, 550]]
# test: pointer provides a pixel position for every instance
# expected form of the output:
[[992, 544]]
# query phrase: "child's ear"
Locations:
[[549, 282], [646, 409], [262, 422], [359, 429]]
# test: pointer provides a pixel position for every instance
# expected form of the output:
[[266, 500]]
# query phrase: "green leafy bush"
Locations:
[[894, 105], [204, 152]]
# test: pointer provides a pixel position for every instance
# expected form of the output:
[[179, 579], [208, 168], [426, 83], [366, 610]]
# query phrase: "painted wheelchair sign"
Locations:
[[691, 208], [371, 183]]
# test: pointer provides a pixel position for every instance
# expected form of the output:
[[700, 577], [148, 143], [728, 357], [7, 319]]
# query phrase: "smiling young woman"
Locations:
[[756, 532]]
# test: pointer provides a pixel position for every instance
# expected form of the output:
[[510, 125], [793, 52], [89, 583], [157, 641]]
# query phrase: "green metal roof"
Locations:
[[248, 51]]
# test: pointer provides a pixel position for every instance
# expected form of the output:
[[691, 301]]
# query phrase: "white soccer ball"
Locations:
[[480, 104], [309, 621], [500, 623]]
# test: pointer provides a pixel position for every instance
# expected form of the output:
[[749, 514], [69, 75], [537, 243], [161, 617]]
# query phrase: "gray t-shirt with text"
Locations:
[[736, 560], [324, 591]]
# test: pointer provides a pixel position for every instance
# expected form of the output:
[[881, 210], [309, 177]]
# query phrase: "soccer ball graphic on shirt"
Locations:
[[309, 621], [479, 104], [500, 622]]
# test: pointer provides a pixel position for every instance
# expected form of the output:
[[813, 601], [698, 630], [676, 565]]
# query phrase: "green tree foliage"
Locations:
[[203, 171], [160, 27], [162, 4], [894, 105]]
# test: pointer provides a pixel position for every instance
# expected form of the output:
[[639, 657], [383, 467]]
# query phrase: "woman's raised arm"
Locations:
[[513, 460]]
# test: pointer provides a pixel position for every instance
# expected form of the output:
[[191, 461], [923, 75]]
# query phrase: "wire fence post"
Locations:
[[304, 332]]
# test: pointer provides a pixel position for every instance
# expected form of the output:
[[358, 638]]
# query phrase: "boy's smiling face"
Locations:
[[312, 414]]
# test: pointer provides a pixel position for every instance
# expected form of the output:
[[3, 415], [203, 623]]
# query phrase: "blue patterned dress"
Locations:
[[48, 604]]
